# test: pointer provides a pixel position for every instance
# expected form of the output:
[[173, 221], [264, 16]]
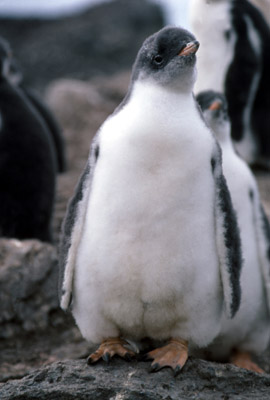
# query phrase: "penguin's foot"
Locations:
[[173, 355], [109, 348], [242, 359]]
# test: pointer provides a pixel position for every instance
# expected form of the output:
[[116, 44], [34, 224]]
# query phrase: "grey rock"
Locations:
[[81, 107], [121, 381], [99, 41], [28, 286]]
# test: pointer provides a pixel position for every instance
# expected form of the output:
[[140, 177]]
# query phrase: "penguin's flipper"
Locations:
[[262, 228], [73, 226], [227, 238]]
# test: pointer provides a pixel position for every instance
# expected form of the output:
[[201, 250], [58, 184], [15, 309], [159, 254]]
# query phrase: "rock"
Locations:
[[24, 353], [77, 105], [81, 107], [28, 287], [99, 41], [131, 381]]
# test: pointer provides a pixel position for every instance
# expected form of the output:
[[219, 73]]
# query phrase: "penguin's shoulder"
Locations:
[[237, 170], [16, 108], [51, 124]]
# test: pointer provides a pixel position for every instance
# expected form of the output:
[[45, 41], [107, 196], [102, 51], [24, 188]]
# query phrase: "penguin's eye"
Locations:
[[158, 59]]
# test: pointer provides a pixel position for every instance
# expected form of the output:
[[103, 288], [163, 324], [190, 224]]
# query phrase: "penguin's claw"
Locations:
[[106, 357], [109, 348], [173, 355], [242, 359], [128, 357], [154, 367]]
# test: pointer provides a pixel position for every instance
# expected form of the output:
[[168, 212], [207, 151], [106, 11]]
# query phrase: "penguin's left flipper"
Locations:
[[173, 355], [109, 348], [227, 238], [243, 359], [72, 228]]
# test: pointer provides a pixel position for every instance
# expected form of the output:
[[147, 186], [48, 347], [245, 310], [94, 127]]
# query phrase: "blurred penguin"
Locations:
[[27, 163], [235, 60], [14, 75], [249, 331]]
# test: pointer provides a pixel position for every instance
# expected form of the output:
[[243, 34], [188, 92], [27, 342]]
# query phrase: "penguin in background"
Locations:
[[27, 164], [15, 77], [150, 245], [249, 331], [235, 60]]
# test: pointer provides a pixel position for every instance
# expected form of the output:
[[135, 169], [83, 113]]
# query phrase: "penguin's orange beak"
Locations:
[[190, 48], [215, 105]]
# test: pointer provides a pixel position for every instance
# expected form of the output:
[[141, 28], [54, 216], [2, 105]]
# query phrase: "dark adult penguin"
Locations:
[[27, 164], [14, 75], [150, 245], [249, 331], [235, 60]]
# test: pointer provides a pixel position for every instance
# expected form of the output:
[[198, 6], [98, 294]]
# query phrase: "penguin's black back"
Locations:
[[240, 75], [27, 169]]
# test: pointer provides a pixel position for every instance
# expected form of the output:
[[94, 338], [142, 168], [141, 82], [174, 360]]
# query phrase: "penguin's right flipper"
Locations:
[[227, 238], [72, 227]]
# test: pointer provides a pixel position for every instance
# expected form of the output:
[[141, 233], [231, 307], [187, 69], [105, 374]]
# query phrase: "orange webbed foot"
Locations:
[[109, 348], [242, 359], [173, 355]]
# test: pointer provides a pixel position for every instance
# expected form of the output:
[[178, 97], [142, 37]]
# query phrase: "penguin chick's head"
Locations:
[[168, 58], [214, 108], [5, 58]]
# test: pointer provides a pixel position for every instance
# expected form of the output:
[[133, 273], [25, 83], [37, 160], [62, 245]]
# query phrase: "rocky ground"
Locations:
[[41, 351]]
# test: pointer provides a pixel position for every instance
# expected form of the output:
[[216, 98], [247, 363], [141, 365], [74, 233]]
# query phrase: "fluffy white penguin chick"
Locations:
[[249, 331], [150, 245]]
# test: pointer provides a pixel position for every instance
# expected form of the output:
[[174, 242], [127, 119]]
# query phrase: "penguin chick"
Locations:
[[14, 75], [150, 245], [249, 331], [235, 60], [27, 164]]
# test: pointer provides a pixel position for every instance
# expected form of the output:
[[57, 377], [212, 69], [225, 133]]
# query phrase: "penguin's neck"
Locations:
[[160, 101]]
